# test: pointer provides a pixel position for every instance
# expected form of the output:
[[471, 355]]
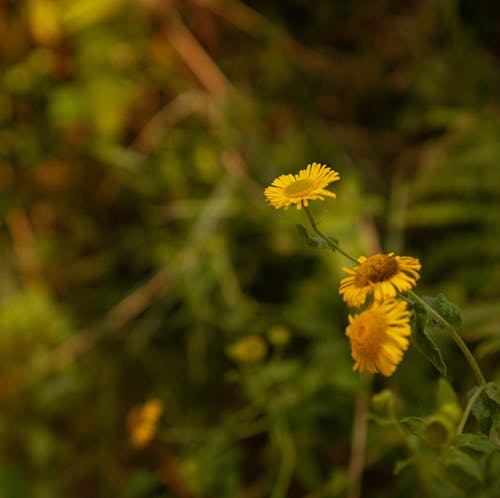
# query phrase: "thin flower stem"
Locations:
[[358, 439], [330, 243], [454, 334], [285, 472], [468, 408]]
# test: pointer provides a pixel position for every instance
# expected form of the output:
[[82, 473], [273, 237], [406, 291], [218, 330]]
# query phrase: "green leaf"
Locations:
[[413, 424], [13, 480], [479, 406], [314, 242], [457, 458], [448, 310], [476, 442], [380, 420], [486, 409], [493, 392], [141, 483], [421, 326], [446, 393], [402, 464]]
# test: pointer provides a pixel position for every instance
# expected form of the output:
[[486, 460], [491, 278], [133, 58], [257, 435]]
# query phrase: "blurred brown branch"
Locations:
[[196, 58], [24, 245]]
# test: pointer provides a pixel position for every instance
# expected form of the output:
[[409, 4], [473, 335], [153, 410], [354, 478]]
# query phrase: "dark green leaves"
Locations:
[[464, 462], [435, 316], [476, 442], [468, 454], [486, 410], [448, 310], [422, 325]]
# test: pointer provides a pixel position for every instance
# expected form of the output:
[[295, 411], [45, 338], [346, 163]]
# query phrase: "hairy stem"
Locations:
[[468, 408], [330, 243]]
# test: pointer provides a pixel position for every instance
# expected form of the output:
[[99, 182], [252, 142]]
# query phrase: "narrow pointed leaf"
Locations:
[[462, 460], [477, 442]]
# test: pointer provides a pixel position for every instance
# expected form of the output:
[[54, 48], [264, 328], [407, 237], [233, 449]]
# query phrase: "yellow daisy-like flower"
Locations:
[[379, 336], [307, 185], [383, 275]]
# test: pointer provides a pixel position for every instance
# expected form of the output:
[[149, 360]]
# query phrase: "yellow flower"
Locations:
[[383, 275], [279, 335], [250, 349], [308, 185], [379, 336], [142, 421]]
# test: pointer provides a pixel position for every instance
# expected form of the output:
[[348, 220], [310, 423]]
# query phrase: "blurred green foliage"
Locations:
[[136, 137]]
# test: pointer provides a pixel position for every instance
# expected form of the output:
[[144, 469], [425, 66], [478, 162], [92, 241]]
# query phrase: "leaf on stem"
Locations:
[[314, 242], [486, 410], [492, 392], [403, 464], [422, 325], [476, 442], [457, 458], [448, 310]]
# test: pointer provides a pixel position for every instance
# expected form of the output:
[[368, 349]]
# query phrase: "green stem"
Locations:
[[287, 464], [468, 408], [359, 437], [454, 334], [331, 244]]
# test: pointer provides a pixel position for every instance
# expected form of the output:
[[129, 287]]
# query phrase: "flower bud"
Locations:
[[383, 402], [279, 335], [438, 430]]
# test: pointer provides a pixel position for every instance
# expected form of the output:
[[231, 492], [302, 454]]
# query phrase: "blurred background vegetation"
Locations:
[[139, 259]]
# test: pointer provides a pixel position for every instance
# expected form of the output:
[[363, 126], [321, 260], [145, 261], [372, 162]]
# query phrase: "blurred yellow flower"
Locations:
[[142, 421], [383, 275], [44, 19], [379, 336], [250, 349], [308, 185], [279, 335]]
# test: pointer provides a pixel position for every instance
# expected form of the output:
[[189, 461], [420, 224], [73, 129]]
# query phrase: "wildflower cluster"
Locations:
[[379, 334], [387, 313]]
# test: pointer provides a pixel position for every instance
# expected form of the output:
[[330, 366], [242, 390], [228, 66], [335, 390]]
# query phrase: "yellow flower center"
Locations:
[[299, 187], [367, 334], [378, 268]]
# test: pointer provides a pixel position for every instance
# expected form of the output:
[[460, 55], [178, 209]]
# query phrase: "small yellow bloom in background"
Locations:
[[308, 185], [45, 21], [250, 349], [379, 336], [142, 421], [383, 275], [279, 335]]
